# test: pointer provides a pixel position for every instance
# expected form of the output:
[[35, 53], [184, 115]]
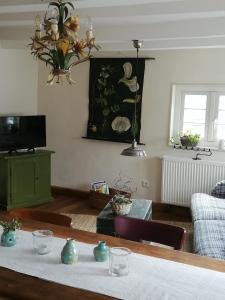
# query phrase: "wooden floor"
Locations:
[[80, 205], [72, 203]]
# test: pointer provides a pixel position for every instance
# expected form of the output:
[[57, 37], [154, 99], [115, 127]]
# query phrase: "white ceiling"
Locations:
[[162, 24]]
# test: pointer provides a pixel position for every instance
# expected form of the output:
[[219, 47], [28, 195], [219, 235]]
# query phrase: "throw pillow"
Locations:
[[219, 190]]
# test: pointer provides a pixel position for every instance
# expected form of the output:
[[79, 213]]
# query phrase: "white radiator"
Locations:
[[181, 177]]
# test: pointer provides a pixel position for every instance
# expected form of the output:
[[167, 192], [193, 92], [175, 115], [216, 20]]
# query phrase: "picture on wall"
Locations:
[[112, 95]]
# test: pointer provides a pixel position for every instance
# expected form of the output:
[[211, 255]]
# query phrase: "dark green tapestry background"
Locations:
[[112, 94]]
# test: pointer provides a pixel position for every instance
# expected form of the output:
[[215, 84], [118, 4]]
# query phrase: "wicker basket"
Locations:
[[99, 200], [121, 208]]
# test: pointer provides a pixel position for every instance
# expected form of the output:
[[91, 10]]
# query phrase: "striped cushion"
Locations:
[[206, 207], [219, 190], [209, 238]]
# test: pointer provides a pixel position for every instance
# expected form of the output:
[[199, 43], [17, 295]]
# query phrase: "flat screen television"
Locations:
[[22, 132]]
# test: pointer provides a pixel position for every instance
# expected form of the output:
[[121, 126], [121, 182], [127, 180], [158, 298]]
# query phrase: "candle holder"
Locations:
[[119, 261], [42, 240]]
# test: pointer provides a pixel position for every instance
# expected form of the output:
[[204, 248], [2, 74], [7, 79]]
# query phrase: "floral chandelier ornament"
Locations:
[[56, 41]]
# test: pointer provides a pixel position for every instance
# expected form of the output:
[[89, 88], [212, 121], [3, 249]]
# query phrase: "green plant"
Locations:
[[10, 225], [175, 140], [121, 199], [186, 139], [193, 138]]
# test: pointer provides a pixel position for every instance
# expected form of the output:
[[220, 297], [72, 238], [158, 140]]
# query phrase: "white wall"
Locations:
[[18, 82], [77, 161]]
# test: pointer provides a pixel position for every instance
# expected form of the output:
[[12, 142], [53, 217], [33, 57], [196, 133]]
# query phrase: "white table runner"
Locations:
[[150, 278]]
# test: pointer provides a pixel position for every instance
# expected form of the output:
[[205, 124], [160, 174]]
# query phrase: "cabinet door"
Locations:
[[44, 177], [24, 180]]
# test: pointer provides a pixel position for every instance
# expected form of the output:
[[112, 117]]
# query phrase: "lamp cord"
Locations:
[[136, 95]]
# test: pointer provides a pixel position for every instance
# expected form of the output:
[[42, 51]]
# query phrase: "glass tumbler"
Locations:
[[42, 240], [119, 261]]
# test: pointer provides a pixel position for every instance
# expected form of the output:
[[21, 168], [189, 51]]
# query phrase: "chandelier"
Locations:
[[56, 41]]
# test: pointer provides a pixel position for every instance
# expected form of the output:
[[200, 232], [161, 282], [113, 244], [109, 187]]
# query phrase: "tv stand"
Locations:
[[31, 150], [22, 152], [25, 178], [10, 152]]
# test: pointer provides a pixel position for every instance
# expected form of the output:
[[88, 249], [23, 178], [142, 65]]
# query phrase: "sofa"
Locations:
[[208, 215]]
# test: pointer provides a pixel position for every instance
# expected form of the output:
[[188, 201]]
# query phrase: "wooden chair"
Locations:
[[137, 230], [40, 215]]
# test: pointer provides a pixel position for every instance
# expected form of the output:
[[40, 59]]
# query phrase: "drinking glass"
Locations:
[[119, 261], [42, 240]]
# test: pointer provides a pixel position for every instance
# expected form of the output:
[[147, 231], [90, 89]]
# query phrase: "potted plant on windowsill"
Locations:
[[8, 237], [186, 140]]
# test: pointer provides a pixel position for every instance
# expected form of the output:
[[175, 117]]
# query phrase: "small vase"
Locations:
[[8, 238], [69, 254], [101, 252]]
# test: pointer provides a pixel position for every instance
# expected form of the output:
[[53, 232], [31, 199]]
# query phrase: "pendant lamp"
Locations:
[[135, 150]]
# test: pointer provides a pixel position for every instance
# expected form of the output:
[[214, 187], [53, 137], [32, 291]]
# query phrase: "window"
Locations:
[[199, 109]]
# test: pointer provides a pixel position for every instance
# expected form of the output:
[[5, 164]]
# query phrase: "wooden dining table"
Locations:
[[14, 285]]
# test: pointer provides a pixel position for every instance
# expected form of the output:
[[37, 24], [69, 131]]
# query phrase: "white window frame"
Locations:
[[213, 92]]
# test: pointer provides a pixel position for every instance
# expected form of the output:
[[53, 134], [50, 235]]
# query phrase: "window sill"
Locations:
[[199, 149]]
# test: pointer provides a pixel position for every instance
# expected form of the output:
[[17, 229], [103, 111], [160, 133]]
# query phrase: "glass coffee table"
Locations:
[[141, 209]]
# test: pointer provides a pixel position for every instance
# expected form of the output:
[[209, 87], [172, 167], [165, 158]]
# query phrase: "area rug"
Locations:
[[88, 223], [83, 222]]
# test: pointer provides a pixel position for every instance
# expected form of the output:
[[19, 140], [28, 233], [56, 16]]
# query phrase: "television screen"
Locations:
[[22, 132]]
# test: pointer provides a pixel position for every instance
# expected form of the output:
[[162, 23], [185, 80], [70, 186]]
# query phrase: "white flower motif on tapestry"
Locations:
[[127, 80]]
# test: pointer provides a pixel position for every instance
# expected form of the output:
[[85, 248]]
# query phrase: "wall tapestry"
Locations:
[[112, 94]]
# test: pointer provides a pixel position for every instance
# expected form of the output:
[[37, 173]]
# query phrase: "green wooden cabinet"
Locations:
[[25, 179]]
